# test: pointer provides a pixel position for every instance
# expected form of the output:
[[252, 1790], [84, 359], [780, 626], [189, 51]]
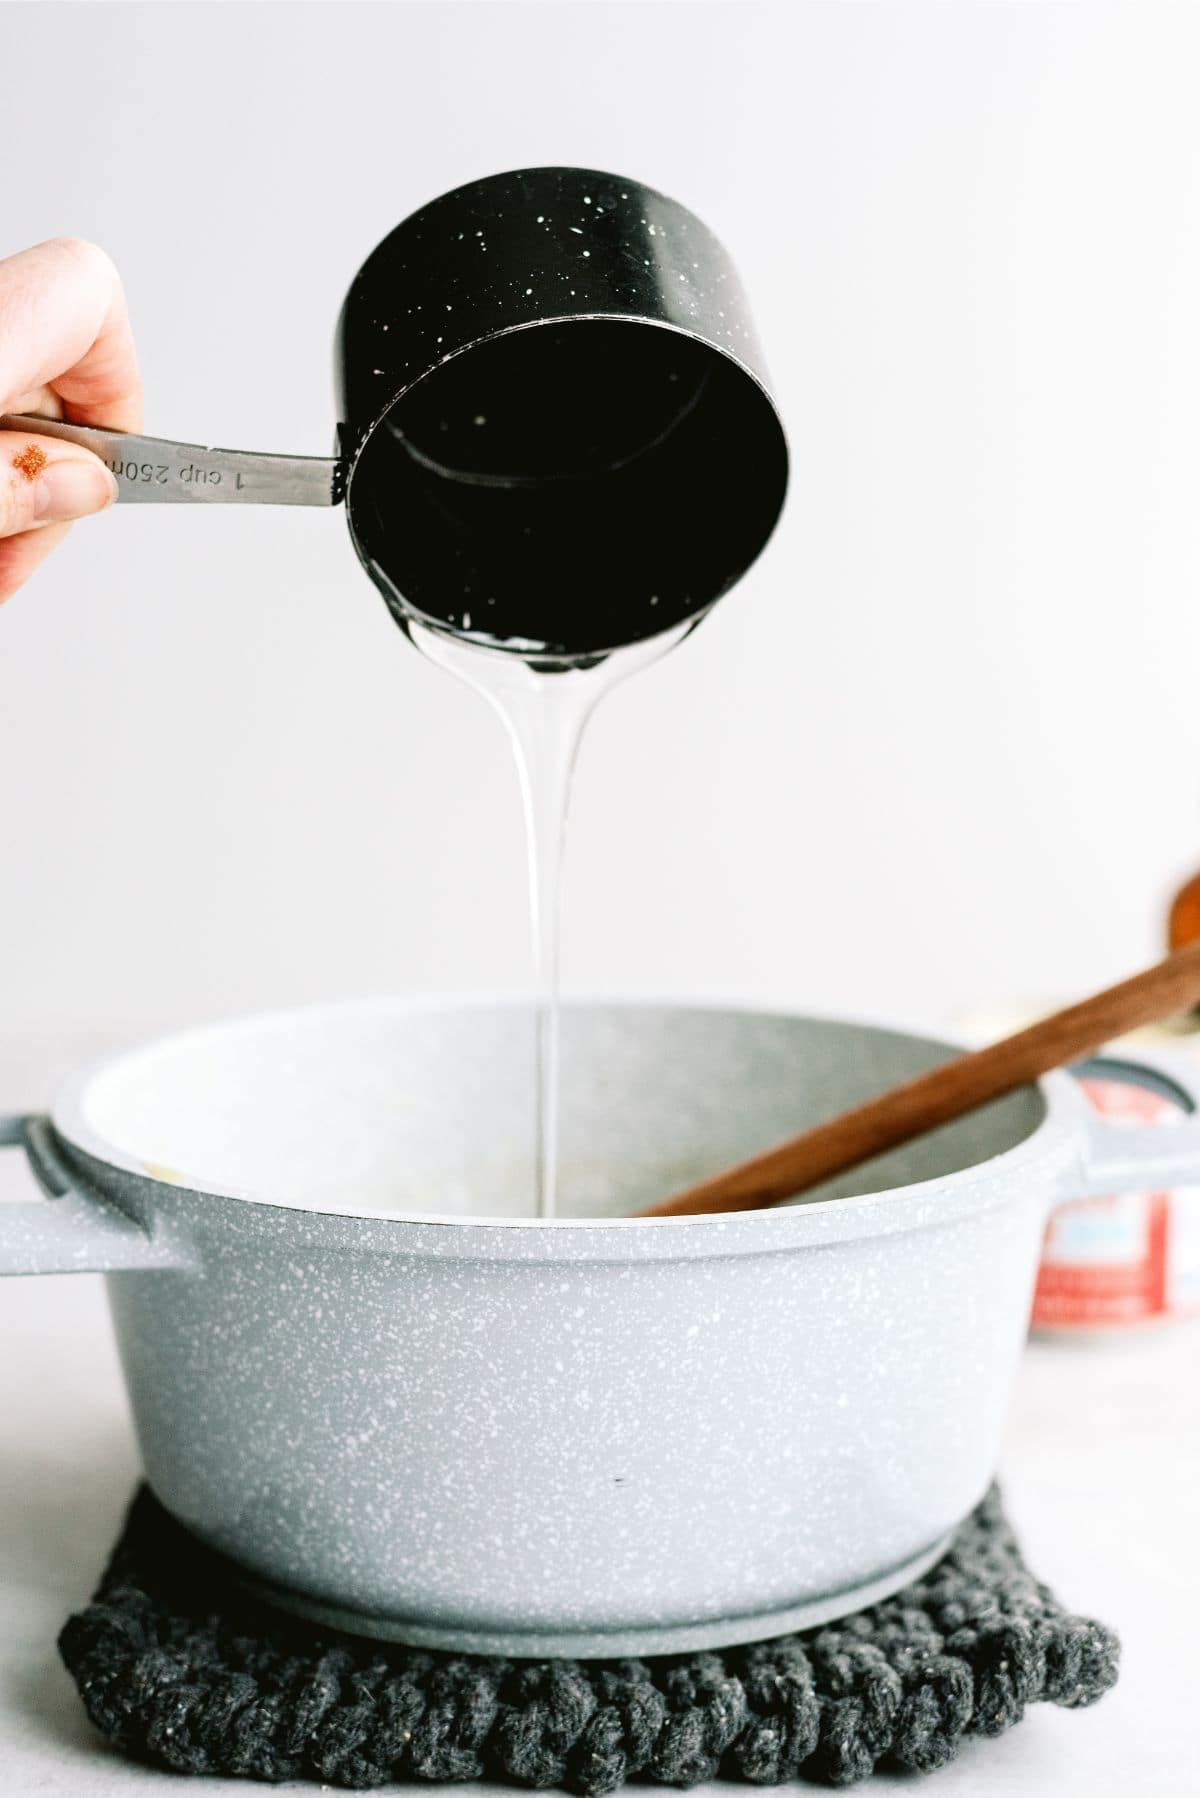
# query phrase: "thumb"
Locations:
[[43, 481]]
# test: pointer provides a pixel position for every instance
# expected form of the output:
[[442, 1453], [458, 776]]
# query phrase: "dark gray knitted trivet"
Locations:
[[177, 1668]]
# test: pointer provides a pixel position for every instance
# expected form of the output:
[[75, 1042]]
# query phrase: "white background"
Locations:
[[939, 751]]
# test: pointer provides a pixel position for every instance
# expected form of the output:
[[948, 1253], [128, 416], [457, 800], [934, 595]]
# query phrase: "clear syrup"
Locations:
[[545, 705]]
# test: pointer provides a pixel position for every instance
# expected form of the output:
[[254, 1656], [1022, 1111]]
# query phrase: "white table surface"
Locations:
[[1101, 1470]]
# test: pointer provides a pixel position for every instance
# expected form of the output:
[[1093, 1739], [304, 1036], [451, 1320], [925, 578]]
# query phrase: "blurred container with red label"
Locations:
[[1132, 1257]]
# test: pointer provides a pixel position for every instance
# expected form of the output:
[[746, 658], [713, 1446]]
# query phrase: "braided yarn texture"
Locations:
[[178, 1669]]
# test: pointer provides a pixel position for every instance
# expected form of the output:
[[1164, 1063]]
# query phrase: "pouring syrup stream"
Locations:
[[545, 704]]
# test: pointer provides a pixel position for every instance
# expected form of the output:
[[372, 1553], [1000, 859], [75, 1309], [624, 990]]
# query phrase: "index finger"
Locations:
[[64, 325]]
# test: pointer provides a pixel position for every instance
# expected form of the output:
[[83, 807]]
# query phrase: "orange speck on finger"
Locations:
[[30, 462]]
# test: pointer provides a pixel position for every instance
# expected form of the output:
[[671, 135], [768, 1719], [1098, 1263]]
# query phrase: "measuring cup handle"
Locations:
[[75, 1232], [153, 471]]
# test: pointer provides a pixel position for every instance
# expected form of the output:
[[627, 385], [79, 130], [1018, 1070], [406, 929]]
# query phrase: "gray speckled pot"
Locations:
[[594, 1436]]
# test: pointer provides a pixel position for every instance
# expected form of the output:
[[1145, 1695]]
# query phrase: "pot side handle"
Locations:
[[74, 1233], [1139, 1157]]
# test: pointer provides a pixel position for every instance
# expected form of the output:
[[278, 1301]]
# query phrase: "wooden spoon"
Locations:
[[945, 1092]]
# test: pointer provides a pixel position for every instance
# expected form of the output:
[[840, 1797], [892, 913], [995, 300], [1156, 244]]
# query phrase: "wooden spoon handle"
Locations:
[[945, 1092]]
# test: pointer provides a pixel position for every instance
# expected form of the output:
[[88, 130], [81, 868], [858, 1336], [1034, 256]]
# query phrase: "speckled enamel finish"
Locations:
[[590, 1436]]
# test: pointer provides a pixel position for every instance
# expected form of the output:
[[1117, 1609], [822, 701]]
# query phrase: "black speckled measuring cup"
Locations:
[[557, 433]]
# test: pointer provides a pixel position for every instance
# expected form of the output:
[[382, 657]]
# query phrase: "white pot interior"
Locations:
[[429, 1109]]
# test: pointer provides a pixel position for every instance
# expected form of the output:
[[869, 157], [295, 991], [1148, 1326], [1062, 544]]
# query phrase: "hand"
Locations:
[[66, 351]]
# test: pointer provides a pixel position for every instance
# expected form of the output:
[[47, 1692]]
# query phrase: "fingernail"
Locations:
[[68, 490]]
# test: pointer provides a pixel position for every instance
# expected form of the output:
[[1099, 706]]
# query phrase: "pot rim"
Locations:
[[1050, 1145]]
